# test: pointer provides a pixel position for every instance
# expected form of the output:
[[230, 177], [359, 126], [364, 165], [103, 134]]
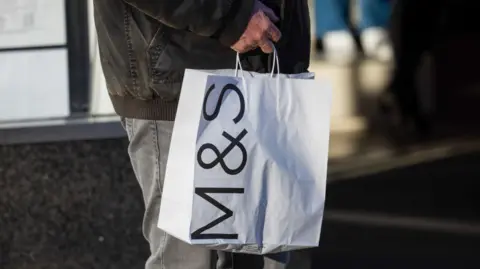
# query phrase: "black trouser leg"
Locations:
[[412, 32]]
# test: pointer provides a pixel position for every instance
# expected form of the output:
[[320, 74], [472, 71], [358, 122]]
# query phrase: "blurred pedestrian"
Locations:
[[332, 21], [413, 34]]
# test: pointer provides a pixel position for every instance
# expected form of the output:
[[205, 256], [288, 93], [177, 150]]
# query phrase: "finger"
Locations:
[[239, 46], [265, 45], [273, 33], [244, 45], [250, 48], [266, 27], [250, 44]]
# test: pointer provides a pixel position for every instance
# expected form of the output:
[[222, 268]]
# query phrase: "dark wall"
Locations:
[[70, 205]]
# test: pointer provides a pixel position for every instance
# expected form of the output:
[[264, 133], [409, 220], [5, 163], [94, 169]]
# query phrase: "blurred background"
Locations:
[[404, 165]]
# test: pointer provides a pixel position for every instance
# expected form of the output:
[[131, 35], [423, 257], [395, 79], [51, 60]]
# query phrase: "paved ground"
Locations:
[[425, 216], [68, 205]]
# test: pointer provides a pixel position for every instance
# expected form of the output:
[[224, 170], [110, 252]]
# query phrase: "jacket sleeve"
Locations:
[[222, 19]]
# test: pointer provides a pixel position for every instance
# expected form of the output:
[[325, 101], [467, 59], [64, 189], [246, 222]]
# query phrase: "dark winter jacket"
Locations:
[[146, 45]]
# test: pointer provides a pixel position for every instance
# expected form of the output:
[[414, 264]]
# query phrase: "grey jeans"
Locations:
[[148, 150]]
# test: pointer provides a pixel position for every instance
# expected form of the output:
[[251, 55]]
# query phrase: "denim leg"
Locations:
[[330, 15], [148, 150], [374, 13]]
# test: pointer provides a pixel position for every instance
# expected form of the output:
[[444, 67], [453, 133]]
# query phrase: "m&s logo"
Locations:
[[235, 142]]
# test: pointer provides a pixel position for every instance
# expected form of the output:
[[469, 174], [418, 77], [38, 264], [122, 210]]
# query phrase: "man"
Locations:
[[145, 47]]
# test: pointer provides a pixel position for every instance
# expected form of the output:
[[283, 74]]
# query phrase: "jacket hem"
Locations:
[[152, 109]]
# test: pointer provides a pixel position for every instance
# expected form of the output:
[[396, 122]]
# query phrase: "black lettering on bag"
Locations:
[[220, 156], [203, 192], [216, 111]]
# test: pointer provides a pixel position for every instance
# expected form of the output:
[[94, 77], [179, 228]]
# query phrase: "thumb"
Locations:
[[269, 12]]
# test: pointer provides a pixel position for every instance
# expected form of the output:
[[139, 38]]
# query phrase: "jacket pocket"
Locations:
[[161, 79], [145, 42], [156, 49]]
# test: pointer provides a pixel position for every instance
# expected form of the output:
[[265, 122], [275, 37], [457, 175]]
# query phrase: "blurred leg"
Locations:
[[374, 13], [332, 27], [331, 15], [412, 34], [374, 19]]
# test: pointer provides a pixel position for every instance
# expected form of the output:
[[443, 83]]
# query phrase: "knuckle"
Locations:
[[277, 36], [265, 25]]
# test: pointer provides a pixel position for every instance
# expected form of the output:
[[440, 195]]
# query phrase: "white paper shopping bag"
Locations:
[[248, 161]]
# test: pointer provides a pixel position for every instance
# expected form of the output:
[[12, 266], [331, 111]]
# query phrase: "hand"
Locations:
[[260, 31]]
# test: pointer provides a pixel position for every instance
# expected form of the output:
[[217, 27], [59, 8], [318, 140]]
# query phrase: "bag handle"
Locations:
[[276, 63]]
